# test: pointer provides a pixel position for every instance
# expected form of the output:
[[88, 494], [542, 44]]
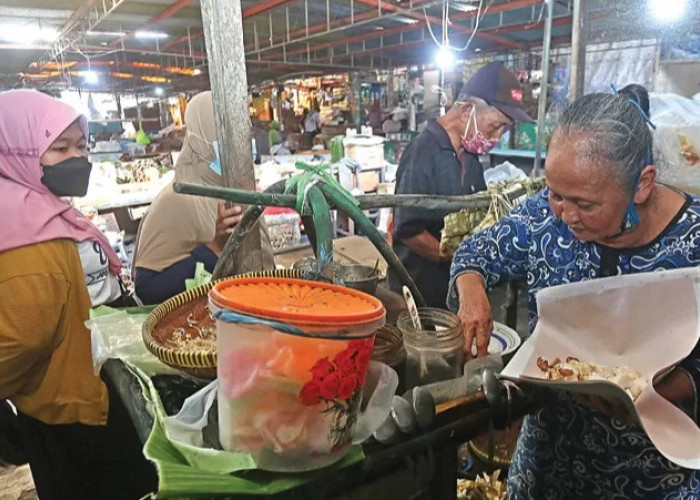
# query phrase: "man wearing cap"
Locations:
[[444, 160]]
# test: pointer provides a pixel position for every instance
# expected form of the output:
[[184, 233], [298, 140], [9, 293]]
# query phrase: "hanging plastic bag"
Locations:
[[142, 137]]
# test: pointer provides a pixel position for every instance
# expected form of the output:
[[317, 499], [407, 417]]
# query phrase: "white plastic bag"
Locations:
[[188, 424], [118, 335], [503, 173], [677, 119]]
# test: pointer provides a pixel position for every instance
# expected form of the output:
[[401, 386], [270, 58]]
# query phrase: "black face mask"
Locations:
[[69, 177]]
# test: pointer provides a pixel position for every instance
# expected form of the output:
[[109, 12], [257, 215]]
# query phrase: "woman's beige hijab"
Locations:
[[177, 223]]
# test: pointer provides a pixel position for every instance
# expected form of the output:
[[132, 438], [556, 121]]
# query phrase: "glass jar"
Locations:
[[389, 349], [436, 352]]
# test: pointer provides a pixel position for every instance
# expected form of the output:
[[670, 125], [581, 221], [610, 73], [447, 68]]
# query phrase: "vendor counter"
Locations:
[[419, 466]]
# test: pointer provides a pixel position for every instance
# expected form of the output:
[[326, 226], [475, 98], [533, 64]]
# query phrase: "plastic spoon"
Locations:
[[412, 309]]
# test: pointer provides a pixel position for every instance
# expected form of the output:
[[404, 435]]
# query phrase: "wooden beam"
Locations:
[[223, 32]]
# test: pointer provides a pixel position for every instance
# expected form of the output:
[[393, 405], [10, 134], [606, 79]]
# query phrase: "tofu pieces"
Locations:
[[573, 369]]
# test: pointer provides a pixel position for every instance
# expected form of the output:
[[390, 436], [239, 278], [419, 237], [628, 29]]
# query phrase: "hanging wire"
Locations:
[[445, 43], [481, 12], [479, 17]]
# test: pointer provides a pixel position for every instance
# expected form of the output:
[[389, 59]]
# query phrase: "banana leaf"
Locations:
[[179, 478]]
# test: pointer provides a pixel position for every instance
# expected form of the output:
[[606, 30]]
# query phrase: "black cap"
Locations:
[[496, 85]]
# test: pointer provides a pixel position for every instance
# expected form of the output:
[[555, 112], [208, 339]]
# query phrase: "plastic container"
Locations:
[[367, 150], [291, 400], [434, 353]]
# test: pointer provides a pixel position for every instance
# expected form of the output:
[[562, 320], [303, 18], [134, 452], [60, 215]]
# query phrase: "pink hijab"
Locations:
[[29, 123]]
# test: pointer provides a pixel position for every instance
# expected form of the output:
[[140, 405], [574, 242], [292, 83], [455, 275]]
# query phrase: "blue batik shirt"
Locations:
[[567, 450]]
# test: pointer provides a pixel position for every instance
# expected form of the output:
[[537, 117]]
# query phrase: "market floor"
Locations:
[[17, 484]]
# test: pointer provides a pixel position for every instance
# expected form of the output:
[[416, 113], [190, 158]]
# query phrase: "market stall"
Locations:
[[311, 378]]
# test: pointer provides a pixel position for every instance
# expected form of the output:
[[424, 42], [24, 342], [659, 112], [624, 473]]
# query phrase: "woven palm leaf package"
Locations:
[[462, 224], [615, 338]]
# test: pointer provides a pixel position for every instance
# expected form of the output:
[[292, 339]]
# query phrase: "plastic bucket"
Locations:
[[290, 388]]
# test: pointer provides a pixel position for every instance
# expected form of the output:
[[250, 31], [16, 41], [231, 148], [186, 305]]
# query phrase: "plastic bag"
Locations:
[[118, 335], [201, 277], [677, 139], [380, 387], [504, 172], [142, 137], [188, 425]]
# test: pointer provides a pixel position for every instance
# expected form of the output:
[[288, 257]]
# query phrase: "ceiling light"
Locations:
[[27, 34], [159, 91], [379, 28], [444, 58], [105, 33], [150, 34], [462, 7], [667, 10], [90, 77], [478, 49]]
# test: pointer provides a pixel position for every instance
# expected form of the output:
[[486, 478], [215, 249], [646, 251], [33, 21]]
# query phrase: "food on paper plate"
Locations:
[[572, 369]]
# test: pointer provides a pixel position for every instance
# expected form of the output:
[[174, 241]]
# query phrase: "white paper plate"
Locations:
[[504, 340]]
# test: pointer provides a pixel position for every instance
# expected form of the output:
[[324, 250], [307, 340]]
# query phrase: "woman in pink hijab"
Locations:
[[75, 430]]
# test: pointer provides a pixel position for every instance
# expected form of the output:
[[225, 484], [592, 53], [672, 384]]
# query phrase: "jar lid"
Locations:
[[298, 301]]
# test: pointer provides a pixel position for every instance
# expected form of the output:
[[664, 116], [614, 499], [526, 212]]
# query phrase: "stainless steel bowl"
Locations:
[[362, 278]]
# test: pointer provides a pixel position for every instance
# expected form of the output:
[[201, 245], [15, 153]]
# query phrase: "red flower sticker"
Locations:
[[329, 385], [322, 368], [347, 387], [338, 384], [340, 379], [344, 360], [310, 394]]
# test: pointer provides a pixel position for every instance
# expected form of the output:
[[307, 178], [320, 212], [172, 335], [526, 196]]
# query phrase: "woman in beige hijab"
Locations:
[[180, 230]]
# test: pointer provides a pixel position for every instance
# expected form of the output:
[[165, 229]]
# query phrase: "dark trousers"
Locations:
[[75, 461]]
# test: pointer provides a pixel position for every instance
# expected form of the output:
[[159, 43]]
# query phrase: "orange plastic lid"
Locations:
[[297, 301]]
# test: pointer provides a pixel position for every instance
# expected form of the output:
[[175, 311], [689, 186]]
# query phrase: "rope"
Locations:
[[236, 318]]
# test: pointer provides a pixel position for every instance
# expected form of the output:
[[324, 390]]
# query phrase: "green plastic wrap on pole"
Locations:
[[323, 228]]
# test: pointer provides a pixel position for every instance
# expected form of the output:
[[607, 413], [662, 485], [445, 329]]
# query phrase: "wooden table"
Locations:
[[347, 250]]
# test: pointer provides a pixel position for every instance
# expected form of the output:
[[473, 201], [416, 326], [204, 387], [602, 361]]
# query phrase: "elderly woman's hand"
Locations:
[[474, 313], [226, 221]]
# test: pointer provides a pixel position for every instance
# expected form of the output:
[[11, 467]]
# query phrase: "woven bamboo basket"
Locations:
[[201, 363]]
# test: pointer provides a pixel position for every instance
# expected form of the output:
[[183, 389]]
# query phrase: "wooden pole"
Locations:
[[365, 202], [578, 53], [223, 33]]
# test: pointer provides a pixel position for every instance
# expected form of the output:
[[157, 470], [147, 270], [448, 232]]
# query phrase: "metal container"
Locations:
[[362, 278]]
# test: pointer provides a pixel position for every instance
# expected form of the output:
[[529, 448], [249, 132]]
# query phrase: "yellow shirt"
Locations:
[[45, 353]]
